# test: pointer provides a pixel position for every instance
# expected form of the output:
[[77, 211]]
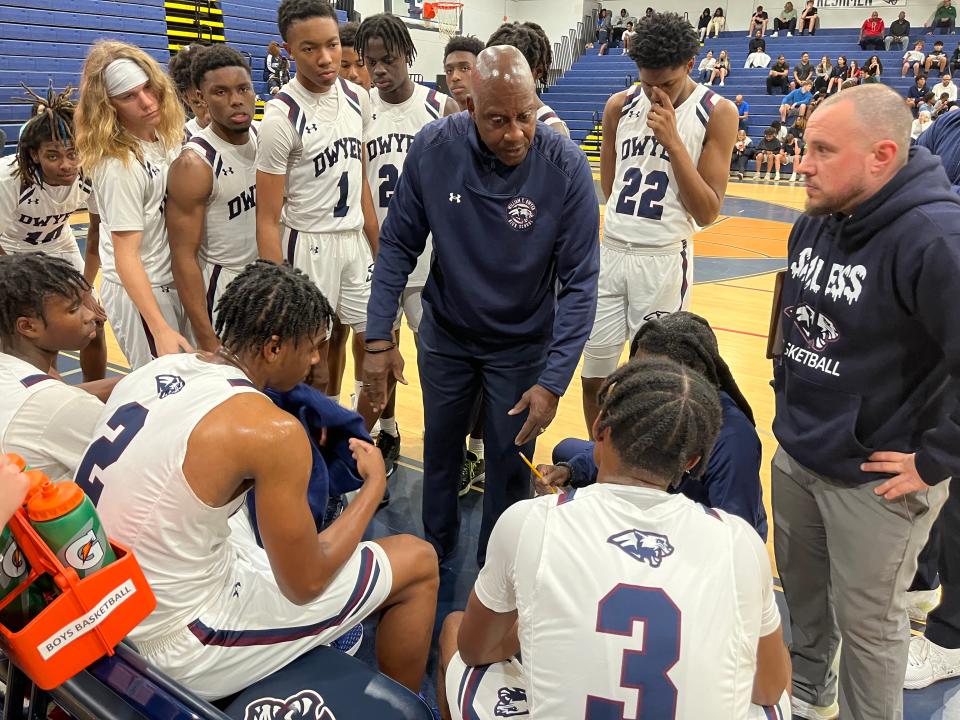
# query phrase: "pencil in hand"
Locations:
[[535, 471]]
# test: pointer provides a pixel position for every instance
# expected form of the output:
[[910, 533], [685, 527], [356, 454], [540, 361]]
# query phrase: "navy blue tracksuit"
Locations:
[[509, 302]]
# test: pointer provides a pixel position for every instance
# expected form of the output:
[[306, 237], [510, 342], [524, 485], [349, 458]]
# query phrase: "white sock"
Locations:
[[389, 425], [476, 447]]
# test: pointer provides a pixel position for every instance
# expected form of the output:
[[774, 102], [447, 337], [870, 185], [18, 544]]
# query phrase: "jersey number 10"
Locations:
[[648, 206]]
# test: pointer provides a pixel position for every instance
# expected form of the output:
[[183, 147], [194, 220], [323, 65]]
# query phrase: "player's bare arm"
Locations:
[[701, 187], [272, 448], [487, 636], [189, 184], [133, 277], [608, 146], [371, 227], [773, 669], [91, 251], [269, 204]]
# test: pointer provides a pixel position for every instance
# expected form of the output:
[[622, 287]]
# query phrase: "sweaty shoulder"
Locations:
[[252, 424]]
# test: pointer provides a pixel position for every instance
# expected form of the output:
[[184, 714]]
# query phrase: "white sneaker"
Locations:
[[776, 177], [802, 709], [721, 83], [767, 176], [793, 177], [922, 602], [927, 663], [776, 34], [789, 34]]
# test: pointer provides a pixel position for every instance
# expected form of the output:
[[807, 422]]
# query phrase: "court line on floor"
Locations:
[[744, 287], [740, 332]]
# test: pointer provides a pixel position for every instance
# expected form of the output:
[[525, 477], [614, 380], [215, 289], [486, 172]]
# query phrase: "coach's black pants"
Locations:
[[453, 369], [941, 555]]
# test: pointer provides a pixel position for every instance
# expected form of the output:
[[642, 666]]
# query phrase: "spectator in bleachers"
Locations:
[[786, 20], [936, 57], [768, 151], [604, 28], [941, 105], [822, 74], [628, 37], [716, 23], [780, 129], [179, 68], [838, 74], [758, 57], [743, 111], [799, 128], [872, 70], [742, 152], [916, 92], [703, 24], [899, 32], [721, 69], [791, 154], [944, 19], [808, 18], [947, 86], [779, 76], [871, 32], [955, 60], [706, 66], [796, 102], [352, 67], [758, 22], [802, 71], [927, 103], [924, 120], [853, 75], [620, 26], [913, 60], [276, 68]]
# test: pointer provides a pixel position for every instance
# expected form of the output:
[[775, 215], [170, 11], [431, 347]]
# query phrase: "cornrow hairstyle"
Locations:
[[213, 58], [663, 40], [661, 416], [548, 50], [266, 300], [688, 339], [392, 30], [531, 44], [180, 67], [28, 280], [463, 43], [348, 34], [291, 11], [53, 124]]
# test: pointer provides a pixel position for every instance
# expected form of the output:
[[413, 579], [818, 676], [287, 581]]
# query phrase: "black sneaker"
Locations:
[[335, 506], [389, 447], [471, 472]]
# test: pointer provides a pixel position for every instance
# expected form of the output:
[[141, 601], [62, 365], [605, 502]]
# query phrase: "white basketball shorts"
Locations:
[[215, 280], [411, 307]]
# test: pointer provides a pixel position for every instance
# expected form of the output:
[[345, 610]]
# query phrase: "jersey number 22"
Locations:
[[648, 206]]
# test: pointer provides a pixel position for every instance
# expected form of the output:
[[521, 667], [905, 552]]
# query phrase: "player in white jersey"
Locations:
[[400, 108], [664, 164], [227, 615], [314, 207], [459, 60], [129, 130], [181, 72], [211, 191], [40, 187], [624, 600], [43, 311]]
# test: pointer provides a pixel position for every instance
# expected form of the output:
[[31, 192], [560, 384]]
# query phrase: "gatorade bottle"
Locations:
[[68, 523]]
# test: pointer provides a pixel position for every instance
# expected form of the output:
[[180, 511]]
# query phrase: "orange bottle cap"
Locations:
[[15, 459], [37, 479], [54, 500]]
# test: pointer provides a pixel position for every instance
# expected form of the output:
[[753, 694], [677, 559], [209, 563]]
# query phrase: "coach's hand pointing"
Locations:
[[542, 406], [382, 366]]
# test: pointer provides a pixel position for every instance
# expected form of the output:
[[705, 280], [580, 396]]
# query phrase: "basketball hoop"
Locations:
[[447, 15]]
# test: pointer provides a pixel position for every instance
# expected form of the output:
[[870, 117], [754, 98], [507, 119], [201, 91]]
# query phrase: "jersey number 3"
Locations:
[[128, 420], [648, 206], [645, 670]]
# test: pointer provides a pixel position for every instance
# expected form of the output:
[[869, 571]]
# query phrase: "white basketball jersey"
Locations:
[[18, 381], [387, 141], [644, 208], [324, 184], [191, 128], [548, 115], [230, 224], [37, 218], [134, 472], [652, 599], [136, 191]]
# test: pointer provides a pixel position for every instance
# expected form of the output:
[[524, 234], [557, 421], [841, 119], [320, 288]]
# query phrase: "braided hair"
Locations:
[[661, 416], [687, 338], [392, 30], [53, 123], [180, 67], [267, 300], [531, 41], [28, 280]]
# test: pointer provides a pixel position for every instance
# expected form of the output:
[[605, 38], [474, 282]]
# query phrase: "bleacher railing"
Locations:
[[570, 47]]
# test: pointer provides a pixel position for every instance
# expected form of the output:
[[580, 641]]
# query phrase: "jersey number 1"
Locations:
[[648, 205], [104, 452], [645, 670], [343, 186]]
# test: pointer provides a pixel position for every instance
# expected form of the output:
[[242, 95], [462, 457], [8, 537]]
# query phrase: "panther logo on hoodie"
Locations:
[[817, 329]]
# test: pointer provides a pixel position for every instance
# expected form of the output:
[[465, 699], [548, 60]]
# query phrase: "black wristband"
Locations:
[[374, 351]]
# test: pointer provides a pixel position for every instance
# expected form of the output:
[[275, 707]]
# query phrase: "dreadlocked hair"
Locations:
[[215, 57], [180, 67], [267, 300], [53, 124], [463, 43], [532, 44], [661, 416], [28, 280], [548, 51], [663, 40], [392, 30], [688, 339], [291, 11]]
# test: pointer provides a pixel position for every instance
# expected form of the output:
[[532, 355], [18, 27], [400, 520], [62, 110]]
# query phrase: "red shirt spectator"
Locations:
[[871, 32]]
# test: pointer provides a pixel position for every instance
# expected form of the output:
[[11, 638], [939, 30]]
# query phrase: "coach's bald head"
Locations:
[[857, 140], [503, 103]]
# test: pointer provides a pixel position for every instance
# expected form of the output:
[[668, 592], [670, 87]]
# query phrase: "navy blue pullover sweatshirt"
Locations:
[[516, 251], [943, 139], [872, 338]]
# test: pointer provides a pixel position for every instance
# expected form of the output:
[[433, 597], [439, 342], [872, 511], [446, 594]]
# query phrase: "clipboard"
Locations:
[[775, 343]]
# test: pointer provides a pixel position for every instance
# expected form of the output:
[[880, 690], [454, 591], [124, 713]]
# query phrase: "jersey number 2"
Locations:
[[104, 452], [646, 670], [648, 205], [389, 175]]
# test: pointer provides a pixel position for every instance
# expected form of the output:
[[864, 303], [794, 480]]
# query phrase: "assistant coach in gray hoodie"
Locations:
[[868, 431]]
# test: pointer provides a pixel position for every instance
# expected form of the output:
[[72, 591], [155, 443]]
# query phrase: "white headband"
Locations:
[[123, 75]]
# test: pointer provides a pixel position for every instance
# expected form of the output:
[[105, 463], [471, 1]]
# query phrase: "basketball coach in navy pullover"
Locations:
[[867, 412], [512, 290]]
